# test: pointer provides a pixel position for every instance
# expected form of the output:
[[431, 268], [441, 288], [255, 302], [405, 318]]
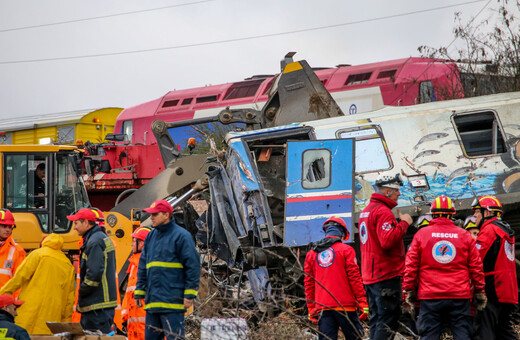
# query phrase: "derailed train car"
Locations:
[[461, 148]]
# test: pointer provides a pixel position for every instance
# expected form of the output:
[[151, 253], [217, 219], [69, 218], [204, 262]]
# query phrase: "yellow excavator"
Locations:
[[41, 185]]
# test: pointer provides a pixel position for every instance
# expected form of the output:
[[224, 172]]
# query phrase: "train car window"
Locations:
[[426, 92], [386, 74], [206, 99], [127, 130], [186, 101], [359, 78], [480, 133], [316, 169], [170, 103], [371, 151], [66, 134], [243, 89]]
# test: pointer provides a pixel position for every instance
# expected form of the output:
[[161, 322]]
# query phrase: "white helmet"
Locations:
[[387, 181]]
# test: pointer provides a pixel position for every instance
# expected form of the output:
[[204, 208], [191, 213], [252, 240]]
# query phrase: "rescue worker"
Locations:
[[496, 244], [382, 256], [8, 329], [11, 254], [44, 270], [134, 316], [333, 286], [97, 295], [471, 226], [443, 256], [168, 275]]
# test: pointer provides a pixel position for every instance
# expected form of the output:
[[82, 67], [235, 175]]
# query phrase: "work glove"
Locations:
[[364, 311], [313, 318], [479, 300]]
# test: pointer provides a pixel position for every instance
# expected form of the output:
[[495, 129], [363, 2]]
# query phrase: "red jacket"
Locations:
[[382, 246], [332, 279], [442, 261], [496, 243]]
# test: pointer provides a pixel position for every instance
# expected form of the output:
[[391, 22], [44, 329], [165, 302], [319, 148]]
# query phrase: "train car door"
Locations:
[[320, 180]]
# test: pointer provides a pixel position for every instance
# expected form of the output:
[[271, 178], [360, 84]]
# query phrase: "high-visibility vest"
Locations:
[[133, 315], [11, 256]]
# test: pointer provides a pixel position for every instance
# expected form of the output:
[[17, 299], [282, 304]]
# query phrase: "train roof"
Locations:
[[51, 119]]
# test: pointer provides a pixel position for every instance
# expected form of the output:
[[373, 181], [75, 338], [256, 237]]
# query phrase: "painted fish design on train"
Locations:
[[426, 153], [459, 173], [430, 137]]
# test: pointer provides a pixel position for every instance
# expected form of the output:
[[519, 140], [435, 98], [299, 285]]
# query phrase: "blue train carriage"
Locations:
[[276, 190]]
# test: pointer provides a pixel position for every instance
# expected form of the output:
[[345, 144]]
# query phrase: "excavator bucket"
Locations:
[[298, 95], [178, 175]]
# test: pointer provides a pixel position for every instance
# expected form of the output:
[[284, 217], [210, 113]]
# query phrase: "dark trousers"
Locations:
[[160, 325], [384, 300], [435, 313], [331, 321], [495, 321], [101, 319]]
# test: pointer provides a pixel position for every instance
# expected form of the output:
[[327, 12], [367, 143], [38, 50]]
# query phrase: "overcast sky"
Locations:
[[195, 43]]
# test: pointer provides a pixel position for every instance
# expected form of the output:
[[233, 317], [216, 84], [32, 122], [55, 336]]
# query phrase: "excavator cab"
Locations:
[[40, 186]]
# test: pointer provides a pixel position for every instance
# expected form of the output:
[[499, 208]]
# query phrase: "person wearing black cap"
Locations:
[[168, 275], [382, 256], [97, 295], [8, 330]]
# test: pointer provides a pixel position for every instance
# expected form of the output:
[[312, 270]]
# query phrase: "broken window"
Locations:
[[426, 93], [316, 169], [371, 152], [480, 133]]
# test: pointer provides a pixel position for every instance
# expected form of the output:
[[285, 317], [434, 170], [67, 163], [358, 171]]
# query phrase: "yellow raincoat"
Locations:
[[46, 279]]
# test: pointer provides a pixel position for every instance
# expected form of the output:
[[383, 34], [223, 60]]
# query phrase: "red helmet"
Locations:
[[100, 219], [141, 233], [490, 203], [6, 218], [442, 205], [340, 221]]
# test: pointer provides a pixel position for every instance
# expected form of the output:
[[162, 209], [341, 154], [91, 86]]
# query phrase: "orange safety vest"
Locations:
[[133, 315], [11, 256]]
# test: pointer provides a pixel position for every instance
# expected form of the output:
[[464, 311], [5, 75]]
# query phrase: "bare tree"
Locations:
[[489, 51]]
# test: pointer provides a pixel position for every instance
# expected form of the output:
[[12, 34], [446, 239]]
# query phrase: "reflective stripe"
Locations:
[[137, 319], [118, 307], [78, 276], [164, 305], [6, 272], [191, 292], [11, 253], [110, 304], [130, 288], [91, 283], [139, 292], [164, 264]]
